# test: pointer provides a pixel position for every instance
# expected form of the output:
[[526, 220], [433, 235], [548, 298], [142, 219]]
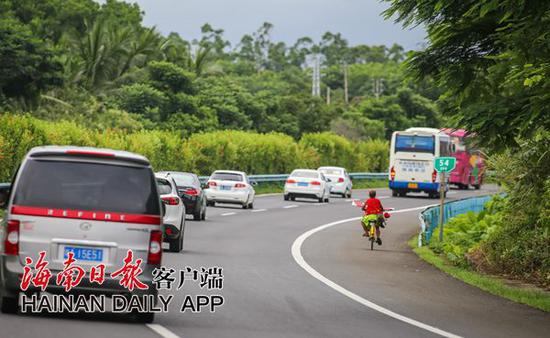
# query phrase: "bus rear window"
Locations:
[[87, 187], [414, 143]]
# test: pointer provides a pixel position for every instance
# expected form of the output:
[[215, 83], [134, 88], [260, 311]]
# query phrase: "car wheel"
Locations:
[[292, 198], [9, 305], [251, 205], [144, 317], [477, 186], [286, 197], [327, 200], [349, 194], [321, 199], [211, 204], [203, 215], [176, 244]]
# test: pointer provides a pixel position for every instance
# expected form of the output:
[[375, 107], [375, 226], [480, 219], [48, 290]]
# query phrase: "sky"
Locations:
[[359, 21]]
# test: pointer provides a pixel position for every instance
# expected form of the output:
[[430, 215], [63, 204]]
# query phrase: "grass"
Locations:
[[529, 296], [277, 187]]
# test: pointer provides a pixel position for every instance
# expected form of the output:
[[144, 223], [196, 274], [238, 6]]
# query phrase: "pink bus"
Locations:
[[470, 163]]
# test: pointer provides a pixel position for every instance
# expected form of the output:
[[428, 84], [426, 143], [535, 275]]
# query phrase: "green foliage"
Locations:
[[142, 99], [491, 57], [168, 76], [255, 153], [27, 64]]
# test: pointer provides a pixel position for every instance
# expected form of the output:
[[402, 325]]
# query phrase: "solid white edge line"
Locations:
[[258, 210], [228, 214], [290, 206], [162, 331], [297, 255]]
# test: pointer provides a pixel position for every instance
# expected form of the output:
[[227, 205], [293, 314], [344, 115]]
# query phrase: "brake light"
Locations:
[[191, 192], [434, 176], [315, 183], [171, 200], [154, 255], [392, 173], [11, 243], [89, 153], [212, 184], [341, 180], [290, 181], [240, 185]]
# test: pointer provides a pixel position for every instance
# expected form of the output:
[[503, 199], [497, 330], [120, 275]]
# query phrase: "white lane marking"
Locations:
[[162, 331], [452, 192], [382, 197], [229, 214], [349, 200], [297, 254], [290, 206], [259, 210]]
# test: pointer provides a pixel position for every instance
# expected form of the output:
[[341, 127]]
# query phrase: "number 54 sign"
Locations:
[[445, 164]]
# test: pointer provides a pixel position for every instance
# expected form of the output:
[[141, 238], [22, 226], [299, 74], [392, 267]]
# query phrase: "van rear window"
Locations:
[[87, 187]]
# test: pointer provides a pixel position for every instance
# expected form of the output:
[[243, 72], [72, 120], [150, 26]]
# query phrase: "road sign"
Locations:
[[445, 164]]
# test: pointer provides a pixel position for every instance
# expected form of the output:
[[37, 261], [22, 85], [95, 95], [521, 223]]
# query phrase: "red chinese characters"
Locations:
[[42, 276], [97, 274], [71, 275], [129, 272]]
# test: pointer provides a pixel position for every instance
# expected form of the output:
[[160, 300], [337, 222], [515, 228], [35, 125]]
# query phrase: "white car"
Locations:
[[226, 186], [340, 182], [307, 183], [174, 216]]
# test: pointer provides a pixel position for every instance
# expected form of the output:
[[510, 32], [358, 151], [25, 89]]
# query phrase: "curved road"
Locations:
[[267, 294]]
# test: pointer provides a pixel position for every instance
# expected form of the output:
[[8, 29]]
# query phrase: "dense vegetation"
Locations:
[[202, 153], [492, 60], [98, 65]]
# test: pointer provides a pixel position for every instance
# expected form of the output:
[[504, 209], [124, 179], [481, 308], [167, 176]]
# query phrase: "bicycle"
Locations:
[[372, 221]]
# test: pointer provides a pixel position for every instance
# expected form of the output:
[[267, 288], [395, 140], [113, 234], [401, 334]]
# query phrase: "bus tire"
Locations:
[[394, 193]]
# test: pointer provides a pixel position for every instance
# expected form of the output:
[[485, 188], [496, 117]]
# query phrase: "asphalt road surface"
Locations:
[[331, 285]]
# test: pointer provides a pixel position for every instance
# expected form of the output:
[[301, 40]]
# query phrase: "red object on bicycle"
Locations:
[[387, 215]]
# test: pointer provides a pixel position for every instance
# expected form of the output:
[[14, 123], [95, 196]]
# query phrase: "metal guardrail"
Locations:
[[429, 218], [274, 178], [283, 177]]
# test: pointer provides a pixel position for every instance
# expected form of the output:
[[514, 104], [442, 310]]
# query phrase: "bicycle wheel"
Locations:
[[372, 243]]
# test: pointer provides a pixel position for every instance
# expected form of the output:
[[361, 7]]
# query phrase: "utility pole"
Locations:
[[316, 77], [346, 98], [441, 204], [377, 87], [328, 95]]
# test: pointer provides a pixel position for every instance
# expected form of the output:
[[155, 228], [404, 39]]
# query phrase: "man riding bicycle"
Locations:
[[373, 211]]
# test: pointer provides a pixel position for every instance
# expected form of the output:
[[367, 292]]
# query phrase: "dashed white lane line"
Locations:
[[290, 206], [297, 254], [228, 214], [259, 210], [162, 331]]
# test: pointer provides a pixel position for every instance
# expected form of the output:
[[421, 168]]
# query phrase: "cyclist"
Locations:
[[373, 209]]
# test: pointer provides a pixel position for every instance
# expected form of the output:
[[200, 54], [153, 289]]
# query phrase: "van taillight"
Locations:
[[11, 243], [154, 255], [434, 176], [341, 180], [392, 173]]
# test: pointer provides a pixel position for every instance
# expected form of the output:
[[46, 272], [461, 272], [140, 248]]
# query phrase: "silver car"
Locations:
[[94, 203], [174, 215], [227, 186]]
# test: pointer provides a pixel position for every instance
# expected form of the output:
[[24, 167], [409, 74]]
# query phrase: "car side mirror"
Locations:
[[254, 183], [329, 180], [4, 196]]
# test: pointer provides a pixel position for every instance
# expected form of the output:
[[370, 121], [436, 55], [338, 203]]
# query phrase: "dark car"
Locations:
[[191, 193]]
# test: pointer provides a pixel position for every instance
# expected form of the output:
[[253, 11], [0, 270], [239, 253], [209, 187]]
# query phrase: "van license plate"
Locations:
[[412, 186], [84, 254]]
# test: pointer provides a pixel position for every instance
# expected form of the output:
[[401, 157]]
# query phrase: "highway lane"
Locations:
[[268, 295]]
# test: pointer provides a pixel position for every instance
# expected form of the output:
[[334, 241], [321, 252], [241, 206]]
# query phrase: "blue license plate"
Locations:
[[225, 187], [303, 184], [84, 254]]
